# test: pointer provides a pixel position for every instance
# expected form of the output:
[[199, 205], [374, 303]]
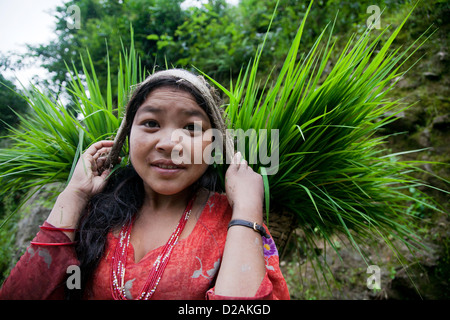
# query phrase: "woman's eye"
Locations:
[[151, 124], [193, 127]]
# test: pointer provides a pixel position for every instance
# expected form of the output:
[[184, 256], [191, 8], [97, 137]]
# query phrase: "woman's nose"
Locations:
[[168, 140]]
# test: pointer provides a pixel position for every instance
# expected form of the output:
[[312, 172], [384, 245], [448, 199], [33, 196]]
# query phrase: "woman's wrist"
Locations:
[[250, 212], [78, 193], [67, 209]]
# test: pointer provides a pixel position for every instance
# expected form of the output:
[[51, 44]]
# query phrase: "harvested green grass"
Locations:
[[335, 173]]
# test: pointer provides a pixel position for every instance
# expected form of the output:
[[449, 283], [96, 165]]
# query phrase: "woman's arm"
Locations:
[[243, 267], [42, 270]]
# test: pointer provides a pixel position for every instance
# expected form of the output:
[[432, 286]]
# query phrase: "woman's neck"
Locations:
[[156, 203]]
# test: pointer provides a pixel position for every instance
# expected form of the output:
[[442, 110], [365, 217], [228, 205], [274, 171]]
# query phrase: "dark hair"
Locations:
[[124, 193]]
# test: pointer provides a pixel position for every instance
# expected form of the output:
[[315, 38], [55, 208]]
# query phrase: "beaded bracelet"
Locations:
[[57, 229]]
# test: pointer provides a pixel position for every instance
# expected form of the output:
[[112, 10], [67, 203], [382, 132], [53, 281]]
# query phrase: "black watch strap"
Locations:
[[248, 224]]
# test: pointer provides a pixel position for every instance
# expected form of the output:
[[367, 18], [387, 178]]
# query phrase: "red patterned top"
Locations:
[[190, 273]]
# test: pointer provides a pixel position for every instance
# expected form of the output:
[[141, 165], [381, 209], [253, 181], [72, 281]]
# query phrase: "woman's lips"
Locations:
[[166, 167], [167, 171]]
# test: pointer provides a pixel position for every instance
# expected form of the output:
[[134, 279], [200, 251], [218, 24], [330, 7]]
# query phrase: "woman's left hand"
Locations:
[[243, 266], [245, 190]]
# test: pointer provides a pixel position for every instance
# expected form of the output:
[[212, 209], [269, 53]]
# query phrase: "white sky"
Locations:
[[32, 22], [26, 22]]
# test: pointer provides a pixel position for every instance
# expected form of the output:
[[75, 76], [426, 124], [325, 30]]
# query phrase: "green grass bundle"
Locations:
[[334, 174], [50, 139], [47, 144]]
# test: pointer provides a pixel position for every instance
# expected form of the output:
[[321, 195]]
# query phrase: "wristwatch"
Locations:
[[253, 225]]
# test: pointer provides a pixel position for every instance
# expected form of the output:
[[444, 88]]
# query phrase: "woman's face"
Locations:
[[169, 122]]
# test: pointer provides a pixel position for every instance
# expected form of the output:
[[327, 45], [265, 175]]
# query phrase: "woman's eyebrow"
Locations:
[[186, 112], [151, 109], [194, 113]]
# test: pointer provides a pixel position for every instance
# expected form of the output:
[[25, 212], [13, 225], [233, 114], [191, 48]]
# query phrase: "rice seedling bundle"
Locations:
[[334, 175], [47, 145]]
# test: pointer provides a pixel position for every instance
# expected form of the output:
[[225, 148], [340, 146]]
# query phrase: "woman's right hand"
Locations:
[[89, 177], [87, 180]]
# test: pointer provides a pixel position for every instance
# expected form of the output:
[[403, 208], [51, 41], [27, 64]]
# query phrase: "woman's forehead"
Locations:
[[172, 101]]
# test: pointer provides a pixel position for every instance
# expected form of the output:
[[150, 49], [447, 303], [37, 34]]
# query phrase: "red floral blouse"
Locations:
[[42, 271]]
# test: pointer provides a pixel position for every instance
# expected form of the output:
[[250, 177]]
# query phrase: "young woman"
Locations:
[[155, 229]]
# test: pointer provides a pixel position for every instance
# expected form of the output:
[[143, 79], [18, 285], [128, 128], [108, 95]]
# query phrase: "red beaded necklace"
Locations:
[[118, 263]]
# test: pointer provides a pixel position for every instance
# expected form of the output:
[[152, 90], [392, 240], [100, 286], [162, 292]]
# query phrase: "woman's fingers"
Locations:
[[89, 176], [97, 153], [239, 161], [93, 149], [102, 153]]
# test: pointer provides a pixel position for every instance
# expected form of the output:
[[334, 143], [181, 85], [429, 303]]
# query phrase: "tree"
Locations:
[[215, 37], [105, 27], [211, 39], [10, 104]]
